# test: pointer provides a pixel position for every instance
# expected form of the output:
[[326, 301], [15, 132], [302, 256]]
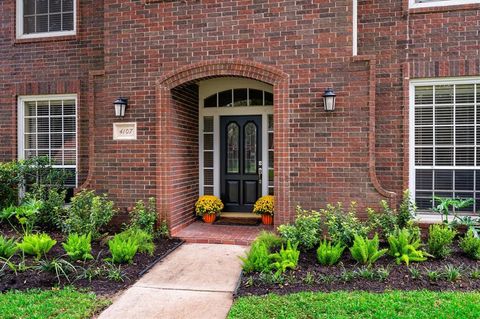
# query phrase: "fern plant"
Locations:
[[122, 250], [257, 258], [8, 247], [36, 244], [142, 238], [366, 250], [328, 254], [78, 247], [285, 258], [404, 246]]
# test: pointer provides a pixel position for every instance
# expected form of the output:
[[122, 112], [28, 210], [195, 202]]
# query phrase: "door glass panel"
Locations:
[[250, 148], [233, 142]]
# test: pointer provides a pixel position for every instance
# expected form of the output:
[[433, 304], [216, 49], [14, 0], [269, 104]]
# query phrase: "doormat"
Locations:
[[235, 221]]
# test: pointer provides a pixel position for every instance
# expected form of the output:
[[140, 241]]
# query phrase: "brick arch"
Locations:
[[177, 212]]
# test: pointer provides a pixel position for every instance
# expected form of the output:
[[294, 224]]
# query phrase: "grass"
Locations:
[[55, 303], [394, 304]]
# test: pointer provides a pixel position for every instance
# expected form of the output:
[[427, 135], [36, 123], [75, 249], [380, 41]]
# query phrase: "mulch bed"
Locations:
[[101, 286], [328, 279]]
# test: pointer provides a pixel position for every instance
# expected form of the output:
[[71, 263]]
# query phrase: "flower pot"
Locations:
[[267, 219], [209, 218]]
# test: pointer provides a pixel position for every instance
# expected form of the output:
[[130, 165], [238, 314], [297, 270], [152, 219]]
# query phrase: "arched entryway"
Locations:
[[179, 161]]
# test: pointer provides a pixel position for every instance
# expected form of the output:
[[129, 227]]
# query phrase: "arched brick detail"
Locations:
[[168, 203]]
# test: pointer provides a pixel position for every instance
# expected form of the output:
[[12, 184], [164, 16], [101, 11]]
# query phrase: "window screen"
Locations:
[[42, 16]]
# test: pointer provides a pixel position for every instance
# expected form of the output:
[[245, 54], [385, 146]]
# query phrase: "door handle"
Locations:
[[260, 175]]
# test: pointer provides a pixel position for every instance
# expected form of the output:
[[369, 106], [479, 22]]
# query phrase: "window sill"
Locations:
[[46, 39], [444, 8]]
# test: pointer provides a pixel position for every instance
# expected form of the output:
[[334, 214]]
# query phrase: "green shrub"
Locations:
[[285, 258], [366, 250], [8, 247], [440, 238], [88, 213], [305, 231], [328, 254], [404, 246], [50, 214], [24, 215], [257, 258], [384, 221], [122, 250], [343, 226], [407, 211], [471, 245], [270, 239], [143, 239], [144, 216], [36, 244], [78, 247]]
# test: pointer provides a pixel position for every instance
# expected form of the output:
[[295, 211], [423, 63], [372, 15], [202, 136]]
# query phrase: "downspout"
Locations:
[[354, 27]]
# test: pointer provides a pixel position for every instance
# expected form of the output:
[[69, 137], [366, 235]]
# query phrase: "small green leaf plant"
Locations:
[[404, 246], [122, 250], [142, 238], [25, 215], [440, 238], [144, 216], [286, 258], [78, 247], [8, 247], [366, 251], [471, 245], [258, 257], [449, 206], [329, 254], [36, 244]]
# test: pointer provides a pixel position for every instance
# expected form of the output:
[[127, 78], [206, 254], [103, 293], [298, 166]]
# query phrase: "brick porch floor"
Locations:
[[203, 233]]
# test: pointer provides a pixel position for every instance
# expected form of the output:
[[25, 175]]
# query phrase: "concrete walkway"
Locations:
[[195, 281]]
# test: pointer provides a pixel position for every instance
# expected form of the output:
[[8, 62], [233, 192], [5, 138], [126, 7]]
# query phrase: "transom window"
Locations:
[[438, 3], [37, 18], [446, 119], [239, 97], [48, 127]]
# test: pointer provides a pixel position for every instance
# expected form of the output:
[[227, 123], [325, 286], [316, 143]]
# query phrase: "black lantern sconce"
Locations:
[[329, 100], [120, 106]]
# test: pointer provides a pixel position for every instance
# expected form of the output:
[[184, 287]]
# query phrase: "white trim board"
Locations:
[[439, 3]]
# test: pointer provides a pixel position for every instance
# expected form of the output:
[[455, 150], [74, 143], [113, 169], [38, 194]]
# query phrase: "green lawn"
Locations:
[[43, 304], [396, 304]]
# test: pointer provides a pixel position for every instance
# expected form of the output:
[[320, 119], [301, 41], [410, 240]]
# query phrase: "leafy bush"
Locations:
[[445, 206], [404, 246], [36, 244], [50, 214], [8, 247], [327, 254], [88, 213], [366, 250], [25, 215], [270, 239], [141, 238], [305, 231], [343, 226], [122, 250], [285, 258], [78, 247], [471, 245], [144, 216], [257, 258], [440, 238]]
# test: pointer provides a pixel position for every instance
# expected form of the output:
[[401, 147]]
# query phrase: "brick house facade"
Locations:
[[158, 54]]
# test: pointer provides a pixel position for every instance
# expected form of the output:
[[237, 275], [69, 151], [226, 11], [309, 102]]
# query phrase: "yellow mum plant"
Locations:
[[208, 204], [264, 205]]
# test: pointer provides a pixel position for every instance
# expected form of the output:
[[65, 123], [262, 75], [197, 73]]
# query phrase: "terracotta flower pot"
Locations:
[[267, 219], [209, 218]]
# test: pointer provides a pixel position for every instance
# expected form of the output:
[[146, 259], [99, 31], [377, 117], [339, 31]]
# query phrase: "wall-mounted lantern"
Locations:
[[120, 106], [329, 100]]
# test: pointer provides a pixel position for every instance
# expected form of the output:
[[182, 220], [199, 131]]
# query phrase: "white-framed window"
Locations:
[[47, 126], [45, 18], [439, 3], [445, 140]]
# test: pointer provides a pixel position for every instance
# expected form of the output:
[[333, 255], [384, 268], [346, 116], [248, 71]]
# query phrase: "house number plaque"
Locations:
[[125, 131]]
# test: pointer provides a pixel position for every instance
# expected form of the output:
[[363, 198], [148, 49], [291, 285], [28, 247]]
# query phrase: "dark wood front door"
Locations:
[[241, 160]]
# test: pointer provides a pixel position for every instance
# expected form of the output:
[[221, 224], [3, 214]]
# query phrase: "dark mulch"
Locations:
[[102, 286], [328, 279]]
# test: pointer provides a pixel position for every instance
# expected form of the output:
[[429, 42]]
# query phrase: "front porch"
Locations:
[[202, 233]]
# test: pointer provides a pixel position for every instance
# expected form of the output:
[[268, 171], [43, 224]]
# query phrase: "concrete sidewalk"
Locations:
[[195, 281]]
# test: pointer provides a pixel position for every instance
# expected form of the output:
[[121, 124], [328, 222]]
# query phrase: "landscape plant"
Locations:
[[344, 226], [58, 266], [257, 258], [144, 216], [286, 258], [88, 213], [440, 238], [450, 206], [8, 247], [404, 246], [142, 238], [24, 215], [470, 245], [36, 244], [122, 250], [78, 247], [366, 251], [329, 254], [305, 231]]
